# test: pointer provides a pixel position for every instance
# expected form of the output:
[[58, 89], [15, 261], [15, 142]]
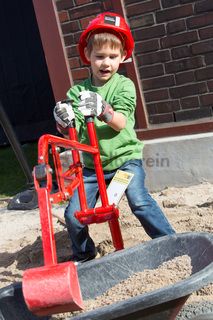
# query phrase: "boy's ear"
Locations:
[[86, 54], [123, 56]]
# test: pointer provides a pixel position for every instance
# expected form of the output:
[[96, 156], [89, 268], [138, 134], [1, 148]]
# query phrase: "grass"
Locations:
[[12, 177]]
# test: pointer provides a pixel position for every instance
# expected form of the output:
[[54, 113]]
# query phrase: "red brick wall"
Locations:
[[174, 53], [173, 49], [74, 16]]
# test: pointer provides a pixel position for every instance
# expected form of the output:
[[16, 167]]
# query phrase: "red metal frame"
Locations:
[[56, 284], [74, 176]]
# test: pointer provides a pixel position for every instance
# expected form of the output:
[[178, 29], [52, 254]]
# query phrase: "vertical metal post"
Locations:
[[79, 172], [6, 125], [97, 161]]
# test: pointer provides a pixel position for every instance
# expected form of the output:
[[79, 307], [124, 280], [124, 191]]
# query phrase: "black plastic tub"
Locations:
[[12, 305], [99, 275]]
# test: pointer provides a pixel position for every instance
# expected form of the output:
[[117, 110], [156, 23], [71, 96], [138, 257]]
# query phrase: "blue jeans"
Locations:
[[142, 205]]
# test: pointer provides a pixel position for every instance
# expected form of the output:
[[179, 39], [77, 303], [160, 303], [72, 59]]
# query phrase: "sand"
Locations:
[[188, 209]]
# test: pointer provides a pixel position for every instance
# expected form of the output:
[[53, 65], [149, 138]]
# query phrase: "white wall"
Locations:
[[178, 161]]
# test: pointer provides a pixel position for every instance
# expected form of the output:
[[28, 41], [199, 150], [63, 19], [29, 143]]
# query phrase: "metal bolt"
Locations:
[[50, 170], [57, 149]]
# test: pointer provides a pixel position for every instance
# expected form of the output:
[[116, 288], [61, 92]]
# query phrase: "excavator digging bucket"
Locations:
[[52, 289]]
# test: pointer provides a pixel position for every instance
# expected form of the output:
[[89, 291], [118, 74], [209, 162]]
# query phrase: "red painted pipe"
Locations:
[[54, 288]]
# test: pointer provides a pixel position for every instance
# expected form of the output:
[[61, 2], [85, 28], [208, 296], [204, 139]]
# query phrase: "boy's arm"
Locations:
[[118, 121], [92, 104]]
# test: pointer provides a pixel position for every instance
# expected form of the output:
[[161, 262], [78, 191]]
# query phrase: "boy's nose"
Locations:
[[105, 62]]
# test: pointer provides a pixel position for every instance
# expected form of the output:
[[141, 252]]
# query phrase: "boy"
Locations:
[[111, 98]]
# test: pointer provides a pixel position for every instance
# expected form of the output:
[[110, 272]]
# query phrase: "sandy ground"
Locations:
[[188, 209]]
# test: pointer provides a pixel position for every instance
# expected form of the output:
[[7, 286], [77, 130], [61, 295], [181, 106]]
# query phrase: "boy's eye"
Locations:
[[99, 56]]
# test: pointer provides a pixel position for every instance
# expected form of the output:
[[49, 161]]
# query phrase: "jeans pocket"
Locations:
[[132, 163]]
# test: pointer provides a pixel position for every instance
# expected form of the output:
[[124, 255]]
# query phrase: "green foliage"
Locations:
[[12, 177]]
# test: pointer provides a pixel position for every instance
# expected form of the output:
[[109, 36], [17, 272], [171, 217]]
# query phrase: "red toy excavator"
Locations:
[[54, 287]]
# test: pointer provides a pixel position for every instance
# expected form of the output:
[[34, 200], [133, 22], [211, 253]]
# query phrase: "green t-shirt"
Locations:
[[115, 147]]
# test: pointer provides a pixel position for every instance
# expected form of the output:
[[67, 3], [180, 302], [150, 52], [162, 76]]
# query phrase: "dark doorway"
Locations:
[[25, 89]]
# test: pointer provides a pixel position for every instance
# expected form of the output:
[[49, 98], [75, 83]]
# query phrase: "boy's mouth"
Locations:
[[104, 72]]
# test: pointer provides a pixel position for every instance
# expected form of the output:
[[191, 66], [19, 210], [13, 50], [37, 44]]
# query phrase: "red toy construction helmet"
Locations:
[[107, 22]]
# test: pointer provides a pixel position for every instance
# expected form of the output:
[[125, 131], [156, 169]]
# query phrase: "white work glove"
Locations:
[[92, 104], [63, 113]]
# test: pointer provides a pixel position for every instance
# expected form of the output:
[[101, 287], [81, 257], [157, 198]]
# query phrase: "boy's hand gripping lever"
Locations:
[[63, 113], [92, 104], [64, 116]]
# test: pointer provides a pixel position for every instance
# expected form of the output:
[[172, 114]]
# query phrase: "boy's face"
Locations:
[[105, 62]]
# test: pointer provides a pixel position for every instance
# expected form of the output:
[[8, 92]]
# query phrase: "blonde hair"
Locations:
[[100, 39]]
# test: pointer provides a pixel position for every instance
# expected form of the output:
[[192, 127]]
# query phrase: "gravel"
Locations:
[[195, 310]]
